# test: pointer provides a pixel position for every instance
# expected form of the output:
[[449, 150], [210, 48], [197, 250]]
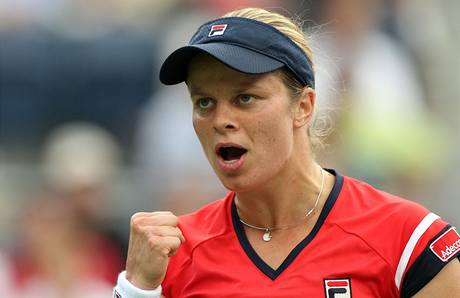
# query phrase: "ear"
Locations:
[[304, 107]]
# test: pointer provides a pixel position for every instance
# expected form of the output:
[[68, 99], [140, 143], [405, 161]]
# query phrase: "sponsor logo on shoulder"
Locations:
[[217, 30], [446, 245], [337, 288]]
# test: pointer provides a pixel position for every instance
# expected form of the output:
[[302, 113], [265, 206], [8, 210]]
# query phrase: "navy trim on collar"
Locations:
[[264, 267]]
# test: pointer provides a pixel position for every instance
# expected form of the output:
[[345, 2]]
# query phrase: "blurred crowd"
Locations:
[[88, 136]]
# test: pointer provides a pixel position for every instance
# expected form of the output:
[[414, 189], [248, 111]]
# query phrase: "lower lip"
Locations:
[[230, 166]]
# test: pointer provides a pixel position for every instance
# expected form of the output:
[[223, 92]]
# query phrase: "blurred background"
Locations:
[[88, 136]]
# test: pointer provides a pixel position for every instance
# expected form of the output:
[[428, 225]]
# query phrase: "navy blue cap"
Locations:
[[246, 45]]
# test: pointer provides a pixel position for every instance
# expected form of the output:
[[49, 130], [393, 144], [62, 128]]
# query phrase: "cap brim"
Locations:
[[174, 69]]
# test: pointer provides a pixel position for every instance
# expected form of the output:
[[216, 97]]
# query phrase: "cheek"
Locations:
[[197, 127], [275, 137], [201, 130]]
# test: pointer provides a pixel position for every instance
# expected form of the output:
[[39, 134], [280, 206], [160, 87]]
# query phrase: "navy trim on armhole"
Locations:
[[424, 269]]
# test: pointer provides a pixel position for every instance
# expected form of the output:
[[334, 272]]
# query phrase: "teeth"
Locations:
[[230, 161]]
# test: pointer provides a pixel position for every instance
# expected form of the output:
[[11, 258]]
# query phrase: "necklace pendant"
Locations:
[[267, 235]]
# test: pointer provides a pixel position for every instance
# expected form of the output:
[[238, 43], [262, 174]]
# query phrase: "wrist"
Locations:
[[125, 289], [140, 282]]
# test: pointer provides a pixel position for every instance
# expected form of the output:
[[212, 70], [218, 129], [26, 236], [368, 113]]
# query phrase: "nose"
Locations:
[[224, 118]]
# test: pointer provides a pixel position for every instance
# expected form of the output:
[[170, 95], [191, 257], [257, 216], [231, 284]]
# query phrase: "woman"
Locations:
[[287, 228]]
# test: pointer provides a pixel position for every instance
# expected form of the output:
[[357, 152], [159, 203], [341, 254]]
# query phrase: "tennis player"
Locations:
[[287, 228]]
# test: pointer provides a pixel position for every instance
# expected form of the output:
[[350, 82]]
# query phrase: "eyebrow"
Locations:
[[196, 90]]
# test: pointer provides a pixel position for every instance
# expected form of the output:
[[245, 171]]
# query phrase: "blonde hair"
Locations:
[[319, 127]]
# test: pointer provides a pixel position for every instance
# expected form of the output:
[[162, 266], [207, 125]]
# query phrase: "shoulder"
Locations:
[[375, 215], [383, 221], [400, 231], [367, 202]]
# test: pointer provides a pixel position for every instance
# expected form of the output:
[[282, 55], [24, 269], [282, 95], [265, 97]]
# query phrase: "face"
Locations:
[[245, 123]]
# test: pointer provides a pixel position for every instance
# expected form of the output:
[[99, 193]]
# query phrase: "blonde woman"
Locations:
[[287, 228]]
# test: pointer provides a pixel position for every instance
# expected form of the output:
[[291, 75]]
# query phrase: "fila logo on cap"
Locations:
[[446, 245], [217, 30], [337, 288]]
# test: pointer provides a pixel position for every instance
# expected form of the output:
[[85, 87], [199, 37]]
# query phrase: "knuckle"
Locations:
[[137, 229], [136, 225], [174, 219], [165, 251], [136, 216], [133, 217], [162, 213], [153, 242], [155, 231], [156, 245], [178, 242]]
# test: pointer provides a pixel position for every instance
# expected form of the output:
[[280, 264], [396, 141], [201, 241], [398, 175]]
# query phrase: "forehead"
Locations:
[[206, 72]]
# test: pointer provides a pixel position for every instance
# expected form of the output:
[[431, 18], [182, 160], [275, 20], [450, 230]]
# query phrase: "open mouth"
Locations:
[[231, 153]]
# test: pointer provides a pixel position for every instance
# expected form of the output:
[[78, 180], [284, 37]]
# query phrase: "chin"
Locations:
[[239, 184], [240, 181], [235, 184]]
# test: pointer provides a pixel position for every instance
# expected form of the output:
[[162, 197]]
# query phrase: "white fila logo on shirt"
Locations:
[[217, 30], [337, 288]]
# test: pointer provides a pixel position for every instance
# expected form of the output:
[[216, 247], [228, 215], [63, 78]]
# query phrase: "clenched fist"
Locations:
[[154, 237]]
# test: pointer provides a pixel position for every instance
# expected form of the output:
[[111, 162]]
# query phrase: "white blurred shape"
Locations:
[[79, 155]]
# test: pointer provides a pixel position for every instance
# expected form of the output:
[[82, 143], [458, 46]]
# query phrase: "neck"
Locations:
[[284, 201]]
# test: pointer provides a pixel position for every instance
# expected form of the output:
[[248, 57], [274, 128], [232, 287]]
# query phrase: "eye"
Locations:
[[246, 98], [204, 103]]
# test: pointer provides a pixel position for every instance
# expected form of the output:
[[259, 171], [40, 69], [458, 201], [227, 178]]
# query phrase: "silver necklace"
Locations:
[[267, 236]]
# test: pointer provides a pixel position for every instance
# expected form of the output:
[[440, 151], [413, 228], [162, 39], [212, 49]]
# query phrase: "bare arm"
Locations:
[[445, 284]]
